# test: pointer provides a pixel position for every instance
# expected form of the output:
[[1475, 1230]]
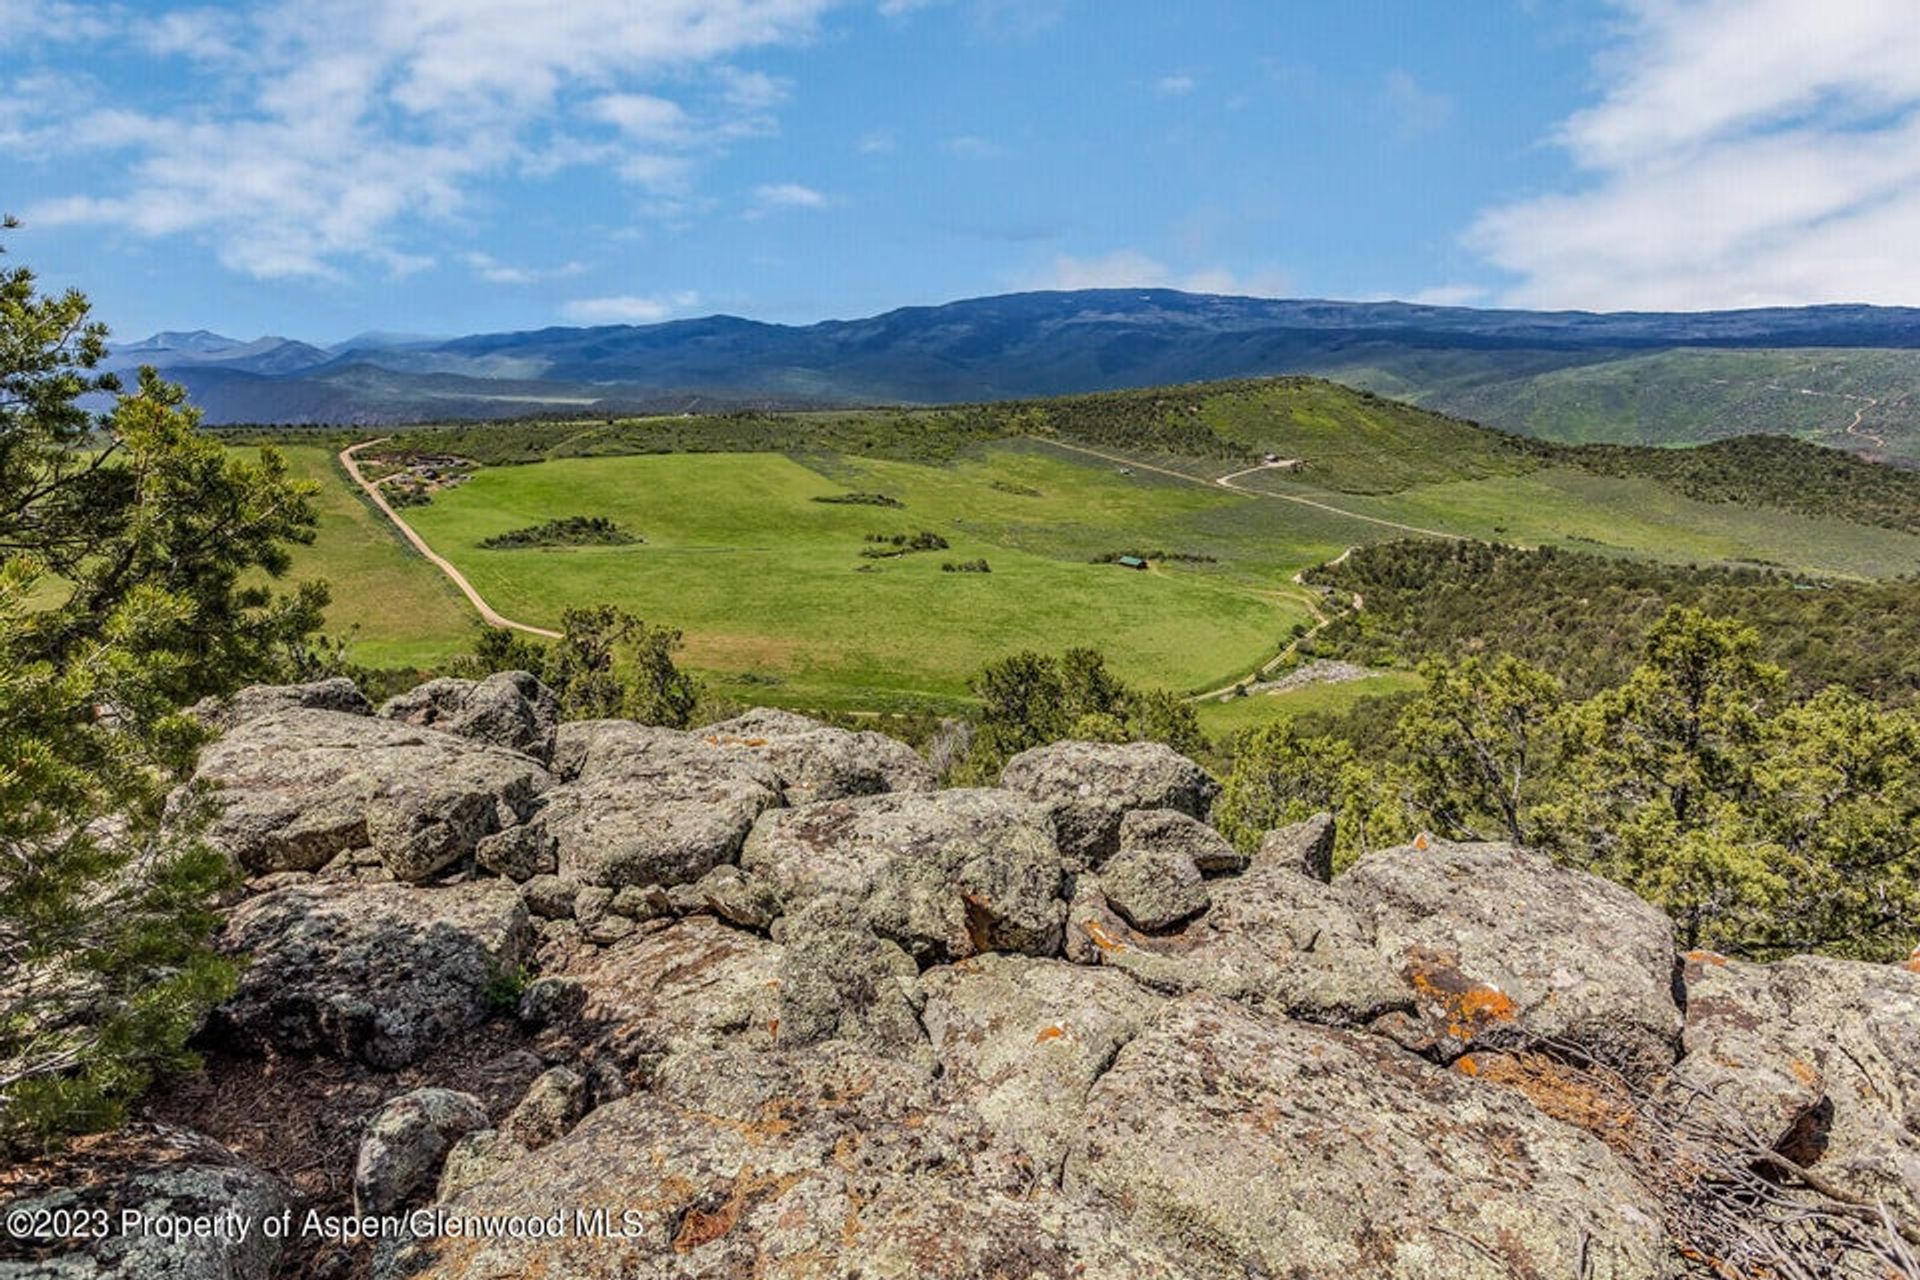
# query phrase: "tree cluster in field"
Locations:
[[1030, 699], [569, 531], [1175, 557], [966, 566], [1585, 618], [1766, 822], [606, 665], [862, 500], [886, 546]]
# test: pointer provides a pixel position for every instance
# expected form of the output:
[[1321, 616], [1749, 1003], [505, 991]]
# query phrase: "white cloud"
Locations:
[[1174, 86], [493, 271], [1450, 295], [332, 139], [790, 195], [1131, 269], [1744, 153], [877, 142], [629, 309], [973, 146]]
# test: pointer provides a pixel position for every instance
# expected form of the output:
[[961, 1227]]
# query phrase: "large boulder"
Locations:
[[257, 700], [1154, 888], [1819, 1058], [839, 981], [1503, 948], [827, 1162], [1269, 1147], [1022, 1040], [379, 973], [688, 985], [945, 874], [158, 1174], [1089, 787], [818, 762], [298, 786], [647, 806], [509, 709], [405, 1144]]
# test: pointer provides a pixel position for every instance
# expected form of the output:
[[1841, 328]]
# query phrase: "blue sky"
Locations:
[[453, 166]]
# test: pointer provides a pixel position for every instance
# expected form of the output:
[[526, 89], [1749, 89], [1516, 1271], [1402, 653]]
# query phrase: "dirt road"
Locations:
[[488, 614]]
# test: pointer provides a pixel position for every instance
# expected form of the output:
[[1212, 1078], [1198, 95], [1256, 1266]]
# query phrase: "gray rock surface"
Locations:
[[380, 973], [816, 762], [944, 874], [838, 981], [554, 1102], [153, 1172], [405, 1143], [1154, 888], [1816, 1057], [257, 700], [509, 709], [1088, 787], [1171, 831], [647, 806], [1022, 1040], [825, 1162], [1306, 847], [299, 786], [1273, 1148], [1501, 947]]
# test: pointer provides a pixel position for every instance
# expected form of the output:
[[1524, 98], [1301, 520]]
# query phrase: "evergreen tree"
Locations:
[[131, 554]]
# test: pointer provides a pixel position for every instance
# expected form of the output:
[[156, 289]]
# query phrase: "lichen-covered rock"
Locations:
[[1818, 1057], [1170, 831], [1501, 948], [299, 786], [1272, 937], [692, 984], [825, 1162], [838, 981], [554, 1102], [945, 874], [1154, 888], [818, 762], [509, 709], [1088, 787], [380, 973], [155, 1173], [1023, 1039], [648, 806], [1306, 847], [406, 1141], [1274, 1148], [257, 700]]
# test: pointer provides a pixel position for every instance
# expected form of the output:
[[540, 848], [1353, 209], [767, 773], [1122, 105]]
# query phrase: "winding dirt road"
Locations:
[[488, 614]]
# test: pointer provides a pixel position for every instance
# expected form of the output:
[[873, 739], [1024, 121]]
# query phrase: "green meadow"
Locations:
[[778, 605]]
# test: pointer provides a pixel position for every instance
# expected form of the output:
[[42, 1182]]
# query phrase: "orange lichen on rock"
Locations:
[[1466, 1006], [1049, 1033], [711, 1216], [1706, 957], [1101, 938], [1562, 1092], [1804, 1072]]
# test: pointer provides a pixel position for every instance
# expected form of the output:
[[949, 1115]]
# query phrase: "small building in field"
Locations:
[[1131, 562]]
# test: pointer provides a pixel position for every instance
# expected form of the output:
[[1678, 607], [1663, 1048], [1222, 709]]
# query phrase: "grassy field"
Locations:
[[779, 605], [1236, 715], [399, 610], [777, 600]]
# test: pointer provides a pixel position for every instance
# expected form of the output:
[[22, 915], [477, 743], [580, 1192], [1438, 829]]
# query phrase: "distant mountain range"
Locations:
[[1659, 375]]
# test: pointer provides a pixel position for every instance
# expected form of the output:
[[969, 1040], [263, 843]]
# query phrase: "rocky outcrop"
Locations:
[[816, 762], [757, 1000], [1501, 947], [1273, 1148], [1813, 1057], [378, 973], [509, 709], [300, 786], [946, 875], [1088, 787], [156, 1174], [251, 703], [406, 1142]]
